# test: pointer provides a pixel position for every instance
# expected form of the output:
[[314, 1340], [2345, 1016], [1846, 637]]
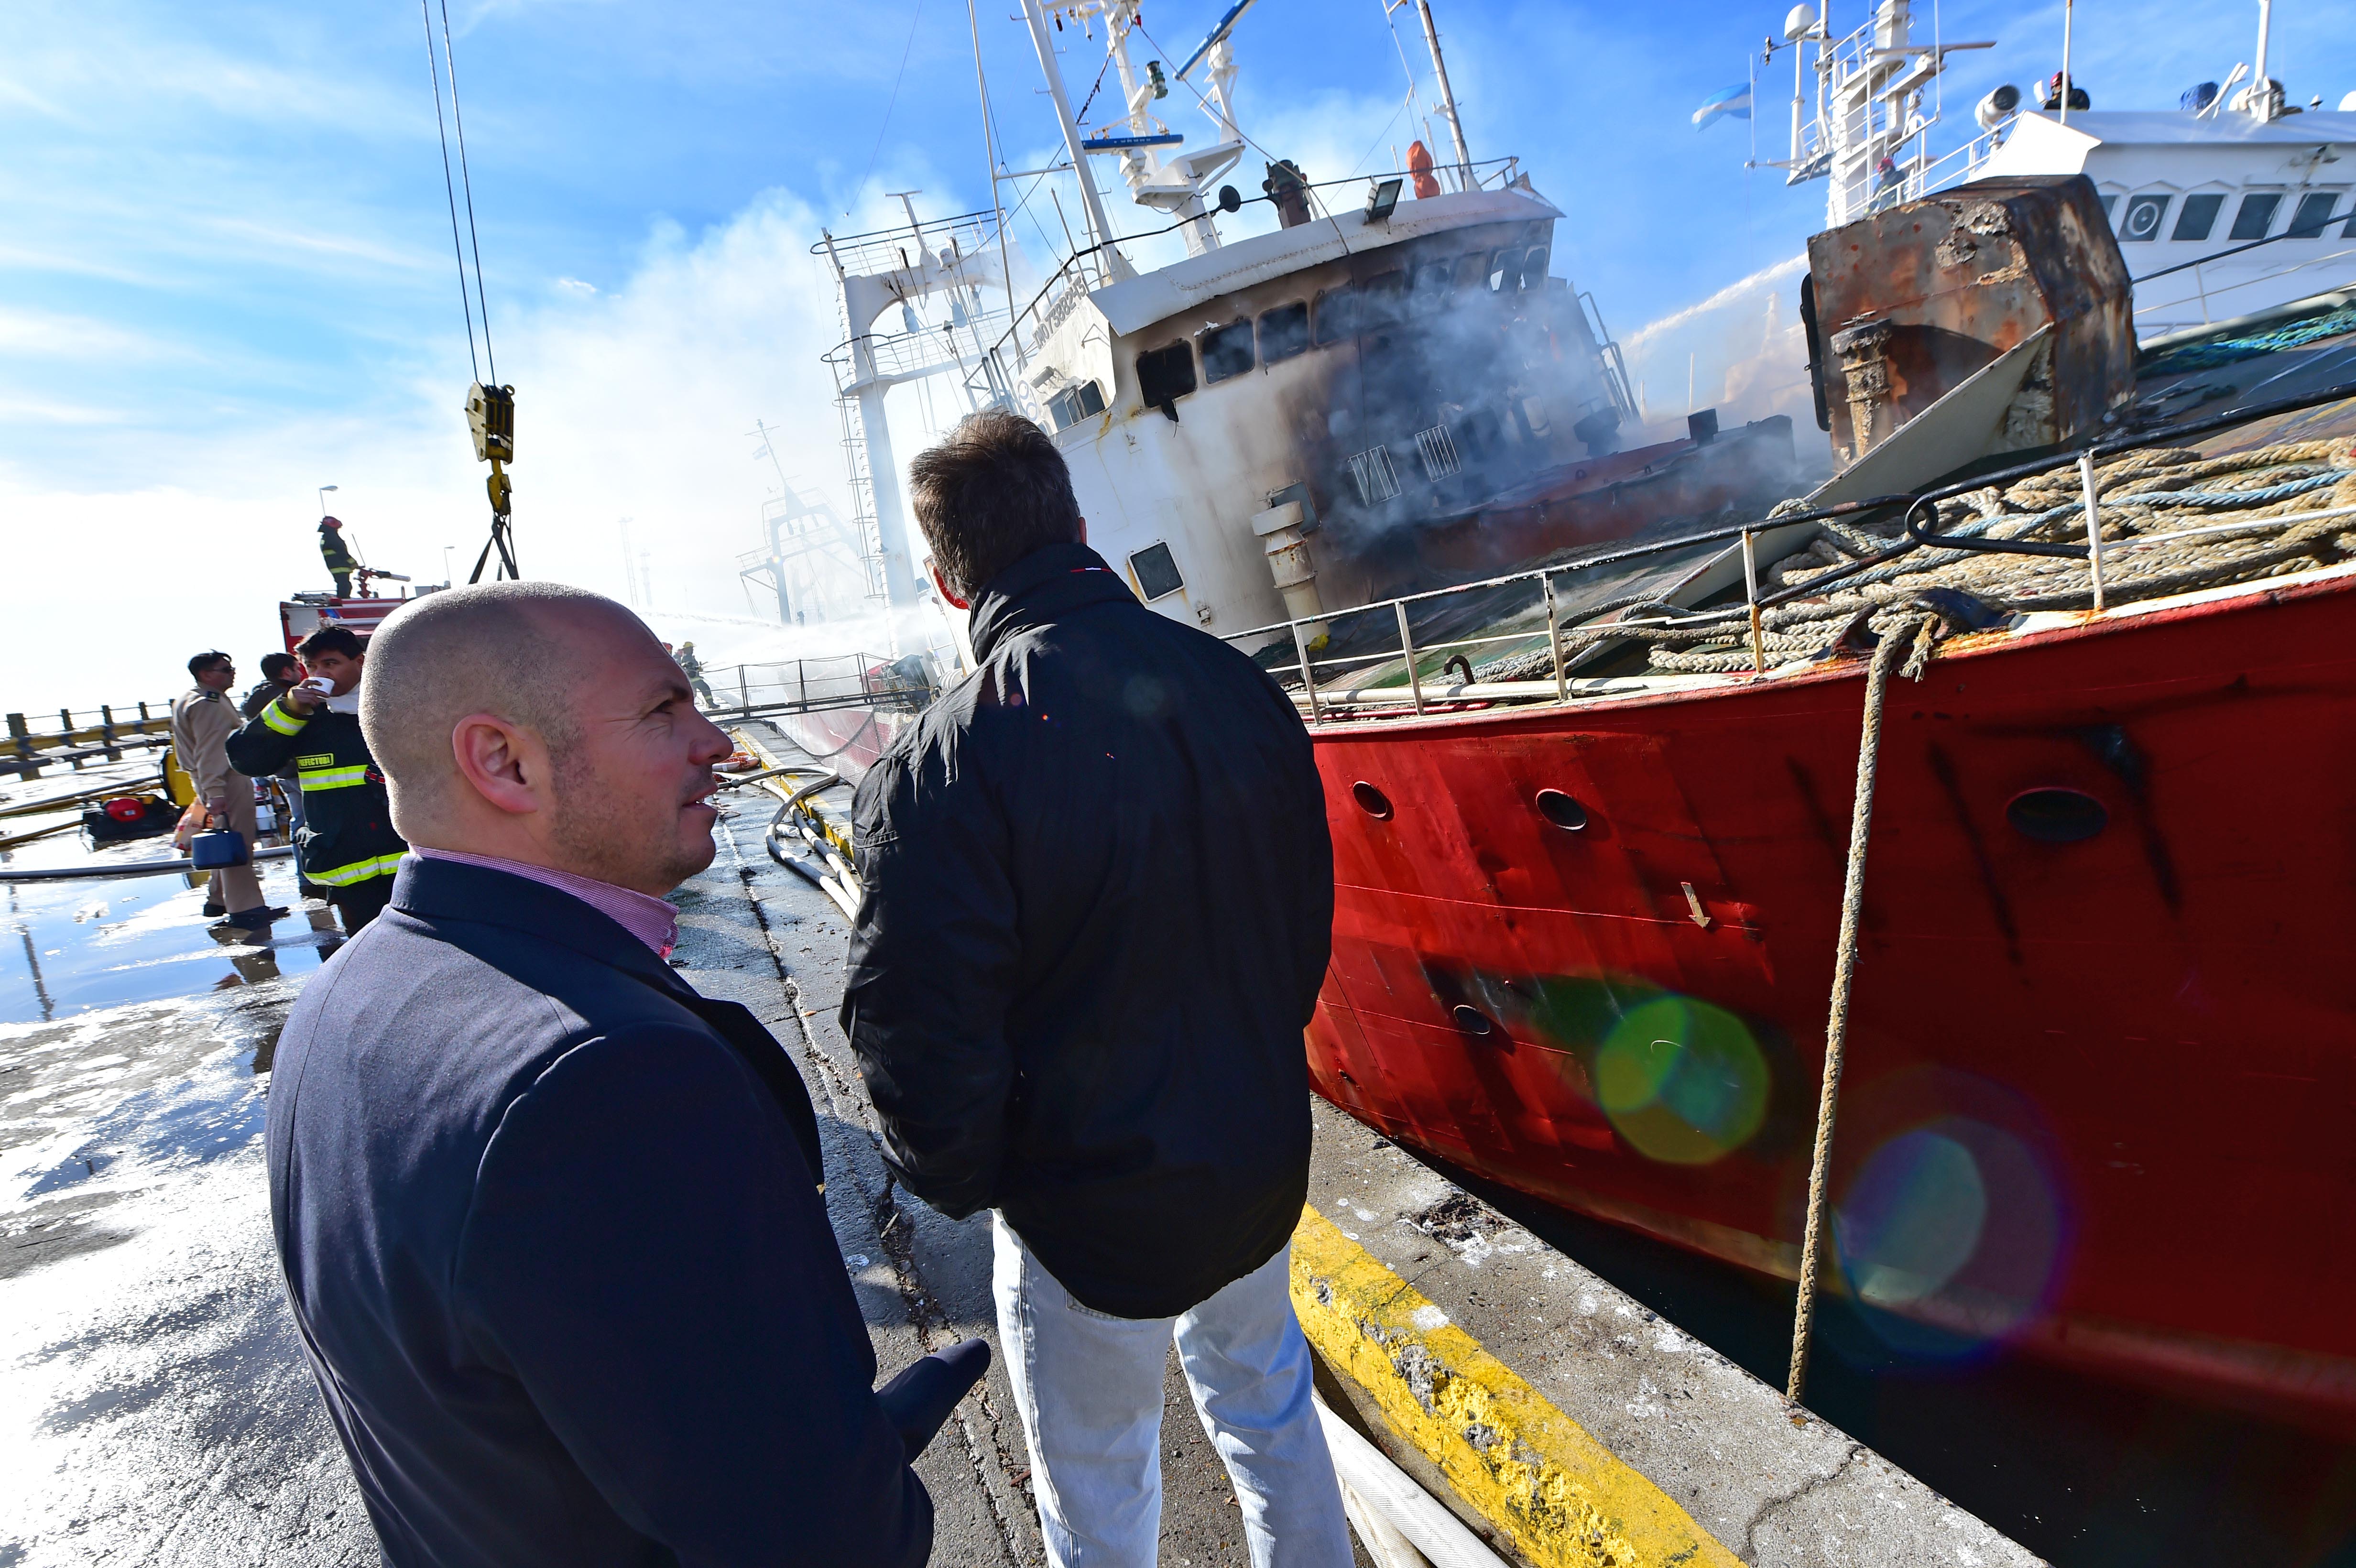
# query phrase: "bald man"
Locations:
[[550, 1221]]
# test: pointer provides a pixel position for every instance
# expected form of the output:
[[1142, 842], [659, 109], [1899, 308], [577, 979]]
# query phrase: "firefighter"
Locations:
[[338, 558], [348, 845], [692, 667]]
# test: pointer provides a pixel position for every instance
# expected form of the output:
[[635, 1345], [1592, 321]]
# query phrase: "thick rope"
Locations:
[[1912, 641]]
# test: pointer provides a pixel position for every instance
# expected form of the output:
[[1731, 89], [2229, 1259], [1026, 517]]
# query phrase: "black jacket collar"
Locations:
[[1036, 589], [451, 890]]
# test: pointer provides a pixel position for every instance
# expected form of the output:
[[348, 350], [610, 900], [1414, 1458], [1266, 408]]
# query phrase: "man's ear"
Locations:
[[1084, 531], [503, 763]]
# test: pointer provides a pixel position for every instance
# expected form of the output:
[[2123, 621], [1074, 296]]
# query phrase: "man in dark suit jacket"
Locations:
[[550, 1222]]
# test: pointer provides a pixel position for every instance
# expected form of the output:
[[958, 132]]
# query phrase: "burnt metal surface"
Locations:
[[1913, 299]]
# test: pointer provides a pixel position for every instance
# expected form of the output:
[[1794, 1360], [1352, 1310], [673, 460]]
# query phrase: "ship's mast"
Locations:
[[1447, 96], [1091, 202]]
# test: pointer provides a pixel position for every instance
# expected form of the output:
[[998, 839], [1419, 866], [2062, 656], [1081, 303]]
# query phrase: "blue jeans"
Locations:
[[1088, 1386]]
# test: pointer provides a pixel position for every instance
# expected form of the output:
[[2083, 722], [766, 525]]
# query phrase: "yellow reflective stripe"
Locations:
[[331, 778], [358, 871], [278, 719]]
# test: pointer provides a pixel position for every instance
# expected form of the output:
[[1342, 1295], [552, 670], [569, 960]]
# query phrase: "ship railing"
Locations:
[[99, 734], [2205, 296], [816, 685], [890, 250], [1321, 698], [1084, 269]]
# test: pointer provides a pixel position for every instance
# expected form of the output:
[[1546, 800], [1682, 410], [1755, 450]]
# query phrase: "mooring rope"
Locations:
[[2152, 505], [1908, 640]]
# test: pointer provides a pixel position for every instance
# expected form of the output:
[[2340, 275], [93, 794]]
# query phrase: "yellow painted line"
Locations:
[[1565, 1499]]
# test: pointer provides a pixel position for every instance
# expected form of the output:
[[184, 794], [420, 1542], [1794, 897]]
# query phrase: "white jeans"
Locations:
[[1089, 1388]]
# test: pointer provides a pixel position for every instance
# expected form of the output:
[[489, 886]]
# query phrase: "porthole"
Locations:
[[1371, 801], [2057, 815], [1472, 1021], [1561, 810]]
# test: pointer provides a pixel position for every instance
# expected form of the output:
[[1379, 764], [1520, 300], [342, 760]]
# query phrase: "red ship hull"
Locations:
[[2101, 1075]]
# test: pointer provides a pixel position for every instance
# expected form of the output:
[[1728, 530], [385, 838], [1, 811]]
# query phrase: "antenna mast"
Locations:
[[1447, 95], [1092, 203]]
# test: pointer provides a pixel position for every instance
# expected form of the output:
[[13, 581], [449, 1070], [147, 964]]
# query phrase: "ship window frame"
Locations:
[[1080, 401], [1231, 360], [1169, 559], [1534, 263], [2210, 206], [1473, 270], [2332, 214], [1275, 349], [2272, 201], [1339, 302], [1423, 294], [2156, 202], [1382, 301], [1149, 362], [2110, 205]]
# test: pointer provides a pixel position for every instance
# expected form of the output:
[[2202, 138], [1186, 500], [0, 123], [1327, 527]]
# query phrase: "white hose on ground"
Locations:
[[1417, 1519]]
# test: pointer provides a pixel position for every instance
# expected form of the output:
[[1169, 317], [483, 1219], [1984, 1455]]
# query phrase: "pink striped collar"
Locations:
[[650, 920]]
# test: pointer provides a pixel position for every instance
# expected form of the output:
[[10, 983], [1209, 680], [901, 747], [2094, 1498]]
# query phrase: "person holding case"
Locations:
[[549, 1219], [204, 723], [348, 844], [1099, 901]]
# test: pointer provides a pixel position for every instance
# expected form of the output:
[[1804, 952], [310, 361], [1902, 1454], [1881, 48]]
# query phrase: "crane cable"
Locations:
[[434, 65]]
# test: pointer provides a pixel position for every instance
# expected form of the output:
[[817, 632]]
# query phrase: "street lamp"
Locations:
[[446, 578], [323, 498]]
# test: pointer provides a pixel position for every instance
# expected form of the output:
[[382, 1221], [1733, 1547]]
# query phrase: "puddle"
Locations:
[[68, 948]]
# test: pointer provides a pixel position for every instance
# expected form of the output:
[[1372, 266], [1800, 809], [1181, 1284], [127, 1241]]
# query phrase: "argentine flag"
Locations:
[[1733, 101]]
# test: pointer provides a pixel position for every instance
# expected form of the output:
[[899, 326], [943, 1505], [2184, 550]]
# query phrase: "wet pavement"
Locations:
[[155, 1407]]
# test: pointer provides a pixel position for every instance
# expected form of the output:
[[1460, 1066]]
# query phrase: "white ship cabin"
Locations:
[[2183, 188], [1246, 426]]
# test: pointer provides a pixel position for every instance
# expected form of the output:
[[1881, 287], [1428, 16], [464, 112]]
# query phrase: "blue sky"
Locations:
[[225, 268]]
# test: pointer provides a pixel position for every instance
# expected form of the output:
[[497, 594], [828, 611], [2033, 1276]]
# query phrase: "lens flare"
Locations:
[[1954, 1230], [1912, 1219], [1682, 1081]]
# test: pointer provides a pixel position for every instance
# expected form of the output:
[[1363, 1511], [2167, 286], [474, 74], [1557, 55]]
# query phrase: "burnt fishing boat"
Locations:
[[1593, 739]]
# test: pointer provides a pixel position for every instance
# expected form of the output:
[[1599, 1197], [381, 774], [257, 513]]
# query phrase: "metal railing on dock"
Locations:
[[736, 692], [105, 732]]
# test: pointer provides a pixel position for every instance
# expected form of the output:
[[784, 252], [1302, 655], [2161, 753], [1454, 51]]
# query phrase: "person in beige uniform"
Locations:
[[203, 718]]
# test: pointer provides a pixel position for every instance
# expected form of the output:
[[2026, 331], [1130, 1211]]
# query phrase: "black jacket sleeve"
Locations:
[[646, 1253], [268, 740], [933, 964]]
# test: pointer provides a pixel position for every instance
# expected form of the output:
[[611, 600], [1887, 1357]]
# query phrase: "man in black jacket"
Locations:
[[1099, 902], [549, 1219], [347, 841]]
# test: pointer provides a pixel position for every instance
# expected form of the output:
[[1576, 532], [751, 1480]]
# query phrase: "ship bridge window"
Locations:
[[2315, 210], [1156, 572], [1073, 404], [1164, 376], [2143, 216], [1382, 301], [1430, 291], [2198, 215], [1513, 271], [1283, 332], [2256, 216], [1227, 350], [1472, 271], [1534, 268], [1337, 315]]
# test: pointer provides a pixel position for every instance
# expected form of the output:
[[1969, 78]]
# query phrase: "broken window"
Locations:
[[1337, 315], [1472, 270], [1156, 572], [1430, 291], [2257, 215], [1073, 404], [1283, 332], [1226, 351], [1164, 376], [1382, 301], [2314, 215], [1534, 269], [2198, 215]]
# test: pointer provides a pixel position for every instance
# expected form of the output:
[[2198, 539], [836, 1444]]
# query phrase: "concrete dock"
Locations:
[[155, 1407]]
